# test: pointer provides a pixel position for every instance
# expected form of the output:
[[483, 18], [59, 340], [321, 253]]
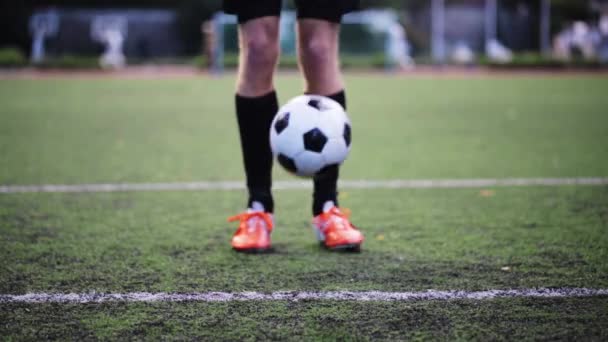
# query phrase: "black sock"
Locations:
[[326, 184], [254, 116]]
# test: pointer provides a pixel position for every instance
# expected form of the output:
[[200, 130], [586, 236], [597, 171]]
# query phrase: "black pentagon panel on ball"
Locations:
[[281, 123], [314, 140], [315, 104], [347, 134], [287, 163]]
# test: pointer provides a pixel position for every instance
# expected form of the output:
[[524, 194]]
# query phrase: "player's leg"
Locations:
[[318, 56], [258, 56], [256, 104], [318, 53], [318, 60]]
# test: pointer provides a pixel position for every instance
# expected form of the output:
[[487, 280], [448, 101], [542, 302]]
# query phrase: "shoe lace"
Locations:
[[339, 216], [245, 217]]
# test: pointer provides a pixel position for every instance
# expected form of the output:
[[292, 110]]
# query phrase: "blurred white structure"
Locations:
[[582, 38], [603, 39], [579, 37], [42, 25], [497, 52], [398, 49], [111, 31], [396, 46], [462, 54], [603, 26], [438, 50]]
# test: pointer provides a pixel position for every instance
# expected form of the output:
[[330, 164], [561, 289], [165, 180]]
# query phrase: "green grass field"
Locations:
[[75, 131]]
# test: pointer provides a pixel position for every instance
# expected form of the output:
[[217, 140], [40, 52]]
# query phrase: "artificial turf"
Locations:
[[499, 319], [416, 240], [92, 130], [76, 131]]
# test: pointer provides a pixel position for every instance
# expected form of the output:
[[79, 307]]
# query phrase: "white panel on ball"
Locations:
[[289, 142], [302, 119], [335, 151], [332, 123], [308, 163]]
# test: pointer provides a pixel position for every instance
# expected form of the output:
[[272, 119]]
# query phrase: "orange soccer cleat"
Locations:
[[253, 234], [336, 232]]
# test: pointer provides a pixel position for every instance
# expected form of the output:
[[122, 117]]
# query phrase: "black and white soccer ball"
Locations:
[[310, 134]]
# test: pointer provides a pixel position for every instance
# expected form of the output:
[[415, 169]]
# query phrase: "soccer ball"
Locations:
[[309, 134]]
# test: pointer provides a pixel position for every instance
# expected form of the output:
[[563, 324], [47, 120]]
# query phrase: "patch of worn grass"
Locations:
[[498, 319]]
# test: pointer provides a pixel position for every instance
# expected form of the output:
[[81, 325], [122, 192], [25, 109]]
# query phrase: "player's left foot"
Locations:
[[253, 233], [335, 231]]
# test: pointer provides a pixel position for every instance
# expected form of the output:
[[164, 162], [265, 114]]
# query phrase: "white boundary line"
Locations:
[[290, 185], [297, 296]]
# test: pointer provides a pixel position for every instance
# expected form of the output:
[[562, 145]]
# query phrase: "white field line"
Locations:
[[429, 295], [290, 185]]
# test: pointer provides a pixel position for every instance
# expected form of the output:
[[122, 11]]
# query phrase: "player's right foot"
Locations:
[[335, 231], [253, 233]]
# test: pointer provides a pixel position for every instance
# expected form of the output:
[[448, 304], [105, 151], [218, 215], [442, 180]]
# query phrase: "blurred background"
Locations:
[[385, 34]]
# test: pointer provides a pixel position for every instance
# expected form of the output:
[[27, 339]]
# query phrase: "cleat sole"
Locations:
[[254, 250], [351, 248]]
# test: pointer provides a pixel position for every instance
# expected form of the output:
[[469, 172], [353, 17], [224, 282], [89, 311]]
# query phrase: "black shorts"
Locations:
[[330, 10]]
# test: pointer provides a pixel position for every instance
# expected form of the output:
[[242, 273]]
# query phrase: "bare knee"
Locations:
[[317, 51], [259, 52], [319, 63]]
